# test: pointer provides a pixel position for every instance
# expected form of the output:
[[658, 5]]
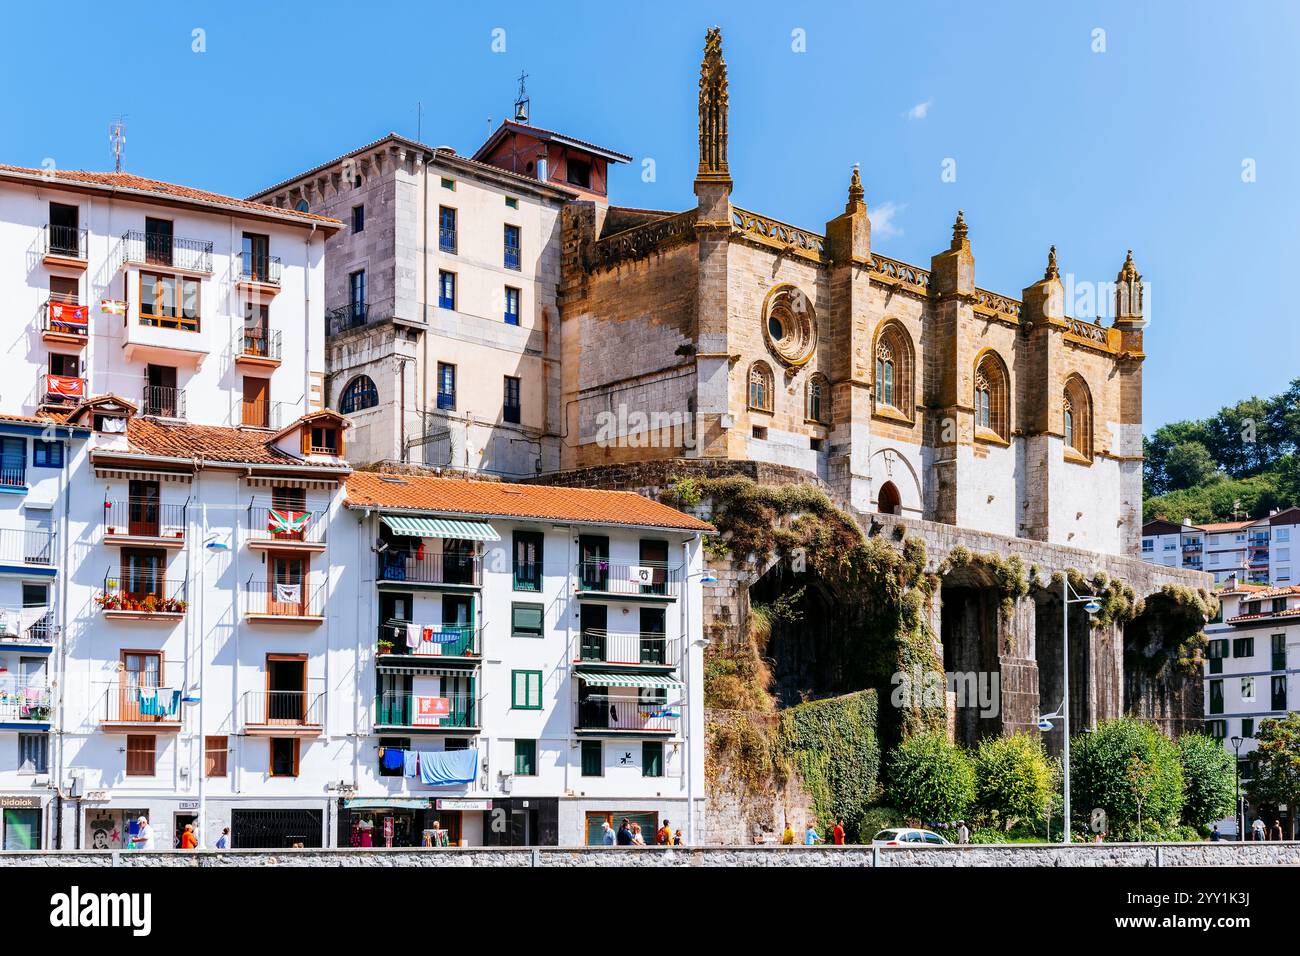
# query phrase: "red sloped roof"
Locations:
[[457, 496]]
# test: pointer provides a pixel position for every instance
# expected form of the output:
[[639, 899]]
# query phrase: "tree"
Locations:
[[931, 778], [1013, 778], [1104, 775], [1276, 763], [1189, 464], [1208, 780]]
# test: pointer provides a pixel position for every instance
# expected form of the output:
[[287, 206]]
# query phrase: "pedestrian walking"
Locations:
[[637, 838], [606, 833], [811, 837], [1215, 835], [223, 841], [144, 839], [677, 838], [624, 836], [787, 835], [664, 835], [1276, 832], [837, 833], [188, 840], [1257, 829], [963, 832]]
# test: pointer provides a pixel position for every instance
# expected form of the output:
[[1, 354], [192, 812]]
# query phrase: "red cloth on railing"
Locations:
[[65, 386]]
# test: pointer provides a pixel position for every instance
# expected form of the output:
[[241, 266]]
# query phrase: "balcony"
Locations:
[[140, 594], [442, 569], [348, 317], [446, 239], [651, 581], [434, 643], [145, 522], [61, 391], [130, 706], [27, 629], [258, 273], [599, 714], [452, 712], [181, 255], [282, 529], [23, 700], [257, 348], [631, 649], [164, 339], [512, 257], [64, 246], [27, 548], [302, 602], [163, 401], [283, 713], [65, 321]]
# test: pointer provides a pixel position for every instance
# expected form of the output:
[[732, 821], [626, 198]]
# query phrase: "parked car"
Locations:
[[907, 835]]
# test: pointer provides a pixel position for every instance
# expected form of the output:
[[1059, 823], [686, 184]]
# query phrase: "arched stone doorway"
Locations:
[[889, 502]]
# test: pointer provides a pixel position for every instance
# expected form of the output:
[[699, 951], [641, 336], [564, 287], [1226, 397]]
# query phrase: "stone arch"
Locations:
[[992, 396], [1076, 416], [888, 500], [890, 466], [895, 364]]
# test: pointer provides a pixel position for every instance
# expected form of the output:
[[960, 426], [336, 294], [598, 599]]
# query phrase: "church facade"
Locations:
[[721, 333]]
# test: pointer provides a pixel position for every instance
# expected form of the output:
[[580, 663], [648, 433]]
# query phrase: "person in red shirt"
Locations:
[[837, 833], [188, 840]]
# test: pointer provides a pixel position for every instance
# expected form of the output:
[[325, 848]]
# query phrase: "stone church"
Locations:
[[721, 333]]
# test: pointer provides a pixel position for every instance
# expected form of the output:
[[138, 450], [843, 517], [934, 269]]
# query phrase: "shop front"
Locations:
[[20, 820], [411, 822]]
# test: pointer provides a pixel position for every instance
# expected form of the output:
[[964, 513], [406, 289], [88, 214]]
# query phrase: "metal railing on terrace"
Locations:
[[296, 599], [27, 626], [400, 709], [139, 699], [597, 645], [26, 546], [145, 518], [66, 242], [282, 708], [258, 343], [190, 255], [264, 269], [262, 522], [163, 401], [346, 317], [141, 591], [429, 640], [651, 578], [63, 314], [436, 568], [24, 698], [600, 712]]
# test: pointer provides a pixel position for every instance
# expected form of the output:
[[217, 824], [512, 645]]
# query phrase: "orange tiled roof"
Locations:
[[1225, 525], [208, 442], [47, 418], [171, 190], [457, 496]]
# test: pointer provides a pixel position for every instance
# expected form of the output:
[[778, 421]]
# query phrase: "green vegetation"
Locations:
[[1013, 779], [1208, 780], [931, 778], [1276, 763], [832, 746], [1132, 771]]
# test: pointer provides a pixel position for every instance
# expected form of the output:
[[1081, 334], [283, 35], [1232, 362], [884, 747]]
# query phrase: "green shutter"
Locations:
[[526, 690], [593, 758], [526, 620], [652, 758]]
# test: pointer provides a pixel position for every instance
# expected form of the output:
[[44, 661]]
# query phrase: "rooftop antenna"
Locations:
[[521, 104], [117, 139]]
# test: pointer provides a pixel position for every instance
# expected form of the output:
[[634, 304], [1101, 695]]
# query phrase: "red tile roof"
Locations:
[[546, 135], [212, 443], [1226, 525], [457, 496], [170, 190]]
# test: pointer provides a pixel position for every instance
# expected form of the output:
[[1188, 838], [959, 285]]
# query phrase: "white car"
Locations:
[[906, 836]]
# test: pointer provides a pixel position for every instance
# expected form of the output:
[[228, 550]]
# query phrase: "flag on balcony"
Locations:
[[65, 386], [113, 306], [65, 314], [288, 593], [290, 522]]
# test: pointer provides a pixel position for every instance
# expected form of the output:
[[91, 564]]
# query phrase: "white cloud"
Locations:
[[882, 219], [920, 110]]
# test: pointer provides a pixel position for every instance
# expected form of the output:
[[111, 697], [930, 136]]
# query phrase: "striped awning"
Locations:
[[440, 528], [629, 680], [127, 474]]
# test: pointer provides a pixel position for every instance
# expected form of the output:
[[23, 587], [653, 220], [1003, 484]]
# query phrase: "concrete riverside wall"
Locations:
[[1110, 854]]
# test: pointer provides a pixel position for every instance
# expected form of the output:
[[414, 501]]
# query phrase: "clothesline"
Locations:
[[435, 768]]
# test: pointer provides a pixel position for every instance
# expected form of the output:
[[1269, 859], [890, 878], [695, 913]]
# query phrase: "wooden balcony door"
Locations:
[[289, 499], [144, 572], [287, 584], [144, 509], [140, 670], [257, 402], [286, 689]]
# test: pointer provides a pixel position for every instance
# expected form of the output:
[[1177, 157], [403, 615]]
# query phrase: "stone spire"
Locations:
[[958, 231], [1052, 271], [713, 111], [857, 195], [1128, 271], [1128, 296]]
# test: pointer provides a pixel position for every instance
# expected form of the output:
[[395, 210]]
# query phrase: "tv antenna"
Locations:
[[117, 140]]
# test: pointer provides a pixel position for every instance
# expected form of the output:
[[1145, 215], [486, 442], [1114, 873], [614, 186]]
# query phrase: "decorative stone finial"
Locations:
[[1052, 271], [959, 230], [856, 193], [713, 109], [1129, 270]]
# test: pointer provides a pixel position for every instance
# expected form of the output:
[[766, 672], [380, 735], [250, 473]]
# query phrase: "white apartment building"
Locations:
[[444, 346], [1249, 551], [1252, 668]]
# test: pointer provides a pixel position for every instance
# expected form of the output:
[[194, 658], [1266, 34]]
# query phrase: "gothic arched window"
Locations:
[[360, 394], [894, 365], [992, 398], [1076, 415], [819, 398], [760, 387]]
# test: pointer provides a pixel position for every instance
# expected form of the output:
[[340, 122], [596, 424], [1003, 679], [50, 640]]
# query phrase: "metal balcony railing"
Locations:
[[138, 699], [258, 343], [512, 257], [399, 709], [263, 269], [62, 390], [28, 626], [27, 547], [439, 568], [446, 239], [141, 590], [350, 316], [597, 645], [190, 255], [261, 414], [13, 476], [65, 315], [601, 712], [259, 525], [67, 242], [294, 599], [652, 578], [163, 401], [431, 640], [145, 518], [283, 708], [24, 699]]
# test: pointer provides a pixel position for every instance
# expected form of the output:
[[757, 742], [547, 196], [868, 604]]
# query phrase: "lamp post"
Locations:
[[706, 577], [1236, 790]]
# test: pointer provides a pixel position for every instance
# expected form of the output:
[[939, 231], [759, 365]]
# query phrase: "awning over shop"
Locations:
[[387, 803], [629, 680], [440, 528]]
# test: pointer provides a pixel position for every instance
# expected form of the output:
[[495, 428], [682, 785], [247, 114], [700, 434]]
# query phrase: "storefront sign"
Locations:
[[453, 804], [20, 803]]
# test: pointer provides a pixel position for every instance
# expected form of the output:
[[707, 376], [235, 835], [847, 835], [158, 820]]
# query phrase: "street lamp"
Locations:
[[1236, 793]]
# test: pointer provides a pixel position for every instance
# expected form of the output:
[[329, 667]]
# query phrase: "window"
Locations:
[[357, 295], [1076, 412], [448, 184], [593, 758], [446, 229], [525, 758], [1248, 726], [446, 386], [1278, 662], [1215, 653], [526, 620], [1218, 729], [284, 756], [760, 387], [759, 432], [256, 410], [1216, 696], [1278, 689], [33, 753], [526, 690], [894, 363], [1148, 544], [302, 206], [652, 758], [13, 462], [144, 572], [512, 306], [359, 395], [446, 289], [992, 405], [819, 399], [512, 202], [512, 257], [528, 560], [65, 237], [396, 743], [322, 440], [214, 756], [579, 173], [358, 218], [158, 246], [141, 754], [1248, 690], [47, 454], [255, 257], [169, 302], [510, 411], [1243, 647]]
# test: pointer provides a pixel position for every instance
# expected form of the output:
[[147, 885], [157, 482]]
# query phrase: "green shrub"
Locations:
[[875, 819], [1132, 771], [1013, 779], [832, 744], [1208, 780], [931, 778]]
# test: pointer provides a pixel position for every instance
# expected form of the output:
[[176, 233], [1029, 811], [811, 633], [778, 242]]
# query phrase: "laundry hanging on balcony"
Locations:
[[288, 593], [65, 386], [159, 701], [440, 528], [447, 768], [286, 521]]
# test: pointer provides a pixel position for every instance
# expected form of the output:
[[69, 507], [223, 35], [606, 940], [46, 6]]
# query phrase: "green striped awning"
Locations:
[[628, 680], [440, 528]]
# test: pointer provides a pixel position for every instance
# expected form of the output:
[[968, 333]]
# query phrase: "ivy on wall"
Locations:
[[832, 746]]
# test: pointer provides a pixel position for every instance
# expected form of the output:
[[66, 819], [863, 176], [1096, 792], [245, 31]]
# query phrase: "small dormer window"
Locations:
[[110, 424], [579, 173], [322, 440]]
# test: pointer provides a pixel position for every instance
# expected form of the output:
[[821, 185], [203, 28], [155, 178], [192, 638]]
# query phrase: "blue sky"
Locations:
[[1139, 146]]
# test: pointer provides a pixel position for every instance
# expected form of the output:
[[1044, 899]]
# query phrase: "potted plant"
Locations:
[[385, 646]]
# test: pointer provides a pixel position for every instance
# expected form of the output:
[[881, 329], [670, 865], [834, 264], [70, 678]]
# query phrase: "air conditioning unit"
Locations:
[[76, 783]]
